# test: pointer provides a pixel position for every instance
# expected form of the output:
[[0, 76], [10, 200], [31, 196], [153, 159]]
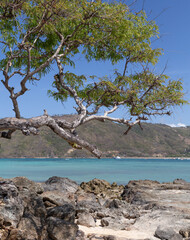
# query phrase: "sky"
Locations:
[[173, 18]]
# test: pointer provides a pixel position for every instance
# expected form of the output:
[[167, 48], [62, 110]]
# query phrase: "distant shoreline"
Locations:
[[177, 158]]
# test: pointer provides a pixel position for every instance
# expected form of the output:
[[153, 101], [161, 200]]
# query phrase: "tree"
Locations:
[[37, 34]]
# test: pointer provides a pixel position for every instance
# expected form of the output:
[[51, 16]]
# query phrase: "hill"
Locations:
[[154, 140]]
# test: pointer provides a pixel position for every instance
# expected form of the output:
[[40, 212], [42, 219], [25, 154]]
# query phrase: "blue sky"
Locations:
[[173, 18]]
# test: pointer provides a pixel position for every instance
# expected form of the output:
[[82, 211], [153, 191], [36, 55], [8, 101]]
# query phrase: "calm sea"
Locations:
[[112, 170]]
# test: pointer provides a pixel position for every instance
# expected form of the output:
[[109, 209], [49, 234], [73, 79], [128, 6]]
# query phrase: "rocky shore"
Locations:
[[60, 209]]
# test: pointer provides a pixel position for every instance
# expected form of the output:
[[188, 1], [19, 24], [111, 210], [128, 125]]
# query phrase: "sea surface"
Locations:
[[112, 170]]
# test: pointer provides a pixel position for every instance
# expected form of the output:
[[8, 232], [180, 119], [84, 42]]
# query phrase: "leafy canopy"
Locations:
[[38, 33]]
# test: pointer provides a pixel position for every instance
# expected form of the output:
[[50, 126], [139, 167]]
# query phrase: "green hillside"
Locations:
[[155, 140]]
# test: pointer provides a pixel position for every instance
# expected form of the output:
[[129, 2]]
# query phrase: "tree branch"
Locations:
[[82, 109], [30, 126]]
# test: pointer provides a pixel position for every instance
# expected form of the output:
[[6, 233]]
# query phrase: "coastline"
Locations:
[[151, 157]]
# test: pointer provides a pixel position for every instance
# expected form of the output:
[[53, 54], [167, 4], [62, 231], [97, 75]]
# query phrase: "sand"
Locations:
[[122, 234]]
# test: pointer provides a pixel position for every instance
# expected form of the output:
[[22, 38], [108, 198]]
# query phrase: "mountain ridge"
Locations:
[[155, 140]]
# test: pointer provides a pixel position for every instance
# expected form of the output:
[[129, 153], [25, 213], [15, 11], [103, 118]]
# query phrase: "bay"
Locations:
[[112, 170]]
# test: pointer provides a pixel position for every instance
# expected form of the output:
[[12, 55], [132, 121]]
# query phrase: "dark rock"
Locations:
[[87, 206], [112, 204], [56, 198], [98, 237], [35, 207], [49, 204], [95, 237], [59, 229], [104, 222], [164, 233], [100, 215], [11, 205], [114, 184], [185, 232], [80, 235], [28, 213], [60, 184], [16, 234], [29, 229], [136, 191], [27, 186], [33, 220], [65, 212], [110, 237]]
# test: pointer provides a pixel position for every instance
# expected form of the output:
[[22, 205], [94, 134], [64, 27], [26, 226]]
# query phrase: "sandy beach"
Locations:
[[120, 234]]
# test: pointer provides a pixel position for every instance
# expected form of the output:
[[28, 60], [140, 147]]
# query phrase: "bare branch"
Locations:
[[97, 117], [131, 125], [29, 60], [17, 72], [30, 126], [111, 111], [82, 109]]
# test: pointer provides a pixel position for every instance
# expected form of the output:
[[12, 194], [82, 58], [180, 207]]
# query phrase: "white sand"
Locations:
[[117, 233]]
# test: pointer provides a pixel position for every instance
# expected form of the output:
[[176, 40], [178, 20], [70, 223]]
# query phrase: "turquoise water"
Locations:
[[118, 170]]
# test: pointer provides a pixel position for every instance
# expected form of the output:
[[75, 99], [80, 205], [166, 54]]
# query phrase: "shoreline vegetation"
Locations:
[[59, 208]]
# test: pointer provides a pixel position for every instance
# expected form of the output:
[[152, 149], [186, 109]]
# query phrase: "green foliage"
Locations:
[[100, 31]]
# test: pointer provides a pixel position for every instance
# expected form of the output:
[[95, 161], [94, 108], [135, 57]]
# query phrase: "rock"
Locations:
[[27, 186], [82, 196], [185, 232], [116, 223], [4, 234], [95, 237], [164, 233], [112, 204], [95, 186], [33, 220], [16, 234], [136, 192], [110, 237], [56, 198], [177, 236], [35, 207], [102, 188], [60, 184], [65, 212], [100, 237], [100, 215], [104, 222], [86, 219], [80, 235], [114, 184], [60, 221], [59, 229], [179, 181], [48, 211], [11, 205], [28, 228], [88, 206]]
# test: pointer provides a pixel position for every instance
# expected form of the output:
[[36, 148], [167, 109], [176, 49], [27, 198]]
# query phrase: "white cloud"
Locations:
[[177, 125]]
